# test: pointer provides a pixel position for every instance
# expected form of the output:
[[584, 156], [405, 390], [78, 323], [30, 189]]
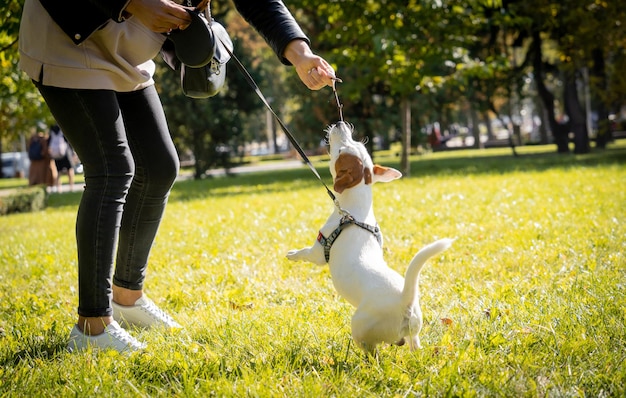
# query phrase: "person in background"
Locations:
[[65, 162], [92, 63], [42, 170]]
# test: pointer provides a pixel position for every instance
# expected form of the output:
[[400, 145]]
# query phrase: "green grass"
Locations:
[[533, 292]]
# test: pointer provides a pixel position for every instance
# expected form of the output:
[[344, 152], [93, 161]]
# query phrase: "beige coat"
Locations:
[[116, 57]]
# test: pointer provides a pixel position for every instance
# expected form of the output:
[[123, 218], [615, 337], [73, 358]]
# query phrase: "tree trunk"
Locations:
[[512, 127], [543, 127], [576, 114], [559, 131], [604, 134], [475, 127], [270, 132], [487, 121], [406, 136], [514, 131], [200, 153], [1, 172]]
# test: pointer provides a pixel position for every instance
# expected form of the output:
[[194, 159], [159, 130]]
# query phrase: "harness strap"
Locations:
[[327, 243]]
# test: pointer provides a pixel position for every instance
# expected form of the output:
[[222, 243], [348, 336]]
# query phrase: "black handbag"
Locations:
[[199, 53], [207, 81]]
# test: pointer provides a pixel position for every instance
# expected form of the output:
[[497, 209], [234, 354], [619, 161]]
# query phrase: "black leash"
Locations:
[[290, 136]]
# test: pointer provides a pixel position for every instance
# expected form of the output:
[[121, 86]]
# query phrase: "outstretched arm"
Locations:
[[313, 70], [278, 27]]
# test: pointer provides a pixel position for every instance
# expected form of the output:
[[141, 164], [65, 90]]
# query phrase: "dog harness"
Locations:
[[346, 220]]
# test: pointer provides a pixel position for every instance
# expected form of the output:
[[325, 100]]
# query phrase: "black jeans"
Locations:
[[130, 165]]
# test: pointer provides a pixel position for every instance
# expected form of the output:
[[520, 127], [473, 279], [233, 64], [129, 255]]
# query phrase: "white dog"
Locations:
[[387, 305]]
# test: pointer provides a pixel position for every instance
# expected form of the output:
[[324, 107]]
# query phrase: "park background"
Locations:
[[475, 72], [530, 300]]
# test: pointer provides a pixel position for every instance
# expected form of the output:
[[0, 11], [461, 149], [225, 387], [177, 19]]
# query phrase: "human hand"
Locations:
[[312, 69], [203, 5], [159, 15]]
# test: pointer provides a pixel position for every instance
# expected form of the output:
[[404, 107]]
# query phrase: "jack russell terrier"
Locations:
[[387, 305]]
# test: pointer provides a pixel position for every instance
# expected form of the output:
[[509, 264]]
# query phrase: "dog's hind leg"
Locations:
[[364, 333], [414, 342]]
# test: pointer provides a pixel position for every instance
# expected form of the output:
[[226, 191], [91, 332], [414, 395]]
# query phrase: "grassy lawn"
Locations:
[[529, 301]]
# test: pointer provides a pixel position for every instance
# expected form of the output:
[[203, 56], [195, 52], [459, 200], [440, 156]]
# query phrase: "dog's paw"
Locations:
[[307, 254], [299, 255], [294, 255]]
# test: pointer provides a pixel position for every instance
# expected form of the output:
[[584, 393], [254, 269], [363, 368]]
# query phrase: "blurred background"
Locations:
[[417, 76]]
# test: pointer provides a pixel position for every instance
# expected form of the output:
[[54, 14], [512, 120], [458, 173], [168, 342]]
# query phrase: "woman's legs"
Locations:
[[156, 168], [130, 164]]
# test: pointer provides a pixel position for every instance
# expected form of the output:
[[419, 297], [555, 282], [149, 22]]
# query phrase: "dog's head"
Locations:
[[350, 164]]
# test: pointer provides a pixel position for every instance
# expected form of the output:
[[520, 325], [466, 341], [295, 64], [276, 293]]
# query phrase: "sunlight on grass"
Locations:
[[529, 301]]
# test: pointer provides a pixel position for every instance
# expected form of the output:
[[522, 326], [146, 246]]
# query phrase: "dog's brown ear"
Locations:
[[349, 170], [385, 174], [380, 170], [367, 175]]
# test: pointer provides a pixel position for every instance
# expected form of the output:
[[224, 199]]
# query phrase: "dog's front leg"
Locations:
[[313, 254]]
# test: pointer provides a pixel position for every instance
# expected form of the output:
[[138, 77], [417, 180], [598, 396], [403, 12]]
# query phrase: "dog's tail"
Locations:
[[415, 267]]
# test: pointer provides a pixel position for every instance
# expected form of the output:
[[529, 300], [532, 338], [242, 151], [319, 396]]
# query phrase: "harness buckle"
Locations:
[[344, 213]]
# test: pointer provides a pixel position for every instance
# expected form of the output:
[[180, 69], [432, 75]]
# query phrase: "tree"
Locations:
[[208, 127], [21, 106], [442, 61], [384, 50], [570, 30]]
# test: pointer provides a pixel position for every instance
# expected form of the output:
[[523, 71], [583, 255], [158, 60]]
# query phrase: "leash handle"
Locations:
[[282, 125]]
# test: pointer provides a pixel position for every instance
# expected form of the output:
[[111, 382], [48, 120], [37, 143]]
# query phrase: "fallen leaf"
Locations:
[[446, 321], [236, 306]]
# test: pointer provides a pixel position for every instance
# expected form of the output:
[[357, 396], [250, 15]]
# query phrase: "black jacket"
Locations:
[[80, 18]]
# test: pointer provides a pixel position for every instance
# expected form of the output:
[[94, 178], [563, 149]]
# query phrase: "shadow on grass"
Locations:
[[45, 345], [459, 163], [502, 164]]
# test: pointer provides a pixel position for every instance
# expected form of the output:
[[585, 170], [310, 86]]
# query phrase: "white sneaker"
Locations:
[[114, 337], [144, 314]]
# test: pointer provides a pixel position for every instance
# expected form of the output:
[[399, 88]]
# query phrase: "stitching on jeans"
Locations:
[[140, 196], [97, 244], [145, 184]]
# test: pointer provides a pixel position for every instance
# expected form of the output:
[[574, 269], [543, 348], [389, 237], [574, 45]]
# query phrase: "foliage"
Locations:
[[456, 61], [23, 200], [462, 56], [208, 127], [573, 28], [21, 106], [528, 302]]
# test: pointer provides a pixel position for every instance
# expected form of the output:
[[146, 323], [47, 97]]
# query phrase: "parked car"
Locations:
[[15, 164]]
